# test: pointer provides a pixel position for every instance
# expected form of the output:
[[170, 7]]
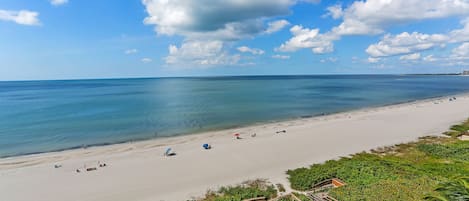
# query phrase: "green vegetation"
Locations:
[[250, 189], [457, 189], [301, 197], [457, 151], [403, 172], [286, 198], [458, 130]]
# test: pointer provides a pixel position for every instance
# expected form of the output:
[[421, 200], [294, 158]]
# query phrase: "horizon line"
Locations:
[[215, 76]]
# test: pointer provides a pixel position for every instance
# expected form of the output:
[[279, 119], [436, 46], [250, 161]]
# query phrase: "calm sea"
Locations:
[[42, 116]]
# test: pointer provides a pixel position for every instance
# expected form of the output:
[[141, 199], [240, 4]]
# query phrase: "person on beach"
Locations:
[[101, 164], [237, 136]]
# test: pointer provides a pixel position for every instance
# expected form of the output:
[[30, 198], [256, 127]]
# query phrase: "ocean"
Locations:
[[44, 116]]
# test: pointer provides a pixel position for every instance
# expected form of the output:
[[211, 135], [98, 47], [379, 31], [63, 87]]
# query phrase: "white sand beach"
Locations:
[[139, 171]]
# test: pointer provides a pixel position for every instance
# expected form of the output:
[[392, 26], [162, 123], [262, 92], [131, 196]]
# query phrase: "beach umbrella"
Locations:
[[168, 151], [236, 134], [206, 146]]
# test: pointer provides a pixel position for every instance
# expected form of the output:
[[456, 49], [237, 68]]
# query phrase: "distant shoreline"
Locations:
[[436, 74]]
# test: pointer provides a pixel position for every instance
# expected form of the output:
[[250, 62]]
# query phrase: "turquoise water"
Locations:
[[42, 116]]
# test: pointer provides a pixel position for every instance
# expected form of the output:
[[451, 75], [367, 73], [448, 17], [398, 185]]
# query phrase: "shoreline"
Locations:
[[235, 127], [139, 171]]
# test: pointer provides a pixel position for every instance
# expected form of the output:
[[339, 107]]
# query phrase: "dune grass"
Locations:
[[456, 189], [458, 130], [434, 168], [249, 189], [409, 171]]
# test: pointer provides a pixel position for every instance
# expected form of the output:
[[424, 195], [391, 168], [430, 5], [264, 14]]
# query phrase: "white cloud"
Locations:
[[200, 53], [405, 43], [222, 21], [58, 2], [373, 60], [146, 60], [311, 1], [372, 16], [335, 11], [329, 59], [461, 51], [459, 57], [279, 56], [414, 56], [276, 26], [254, 51], [308, 38], [131, 51], [24, 17], [429, 58], [413, 44], [460, 35]]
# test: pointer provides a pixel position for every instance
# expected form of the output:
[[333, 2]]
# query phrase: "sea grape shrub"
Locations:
[[456, 151], [361, 169], [250, 189], [408, 171]]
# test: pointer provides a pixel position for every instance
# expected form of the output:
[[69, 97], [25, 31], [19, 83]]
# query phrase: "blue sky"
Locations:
[[76, 39]]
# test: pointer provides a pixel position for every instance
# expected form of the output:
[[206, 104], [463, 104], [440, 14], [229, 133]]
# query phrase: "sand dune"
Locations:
[[139, 171]]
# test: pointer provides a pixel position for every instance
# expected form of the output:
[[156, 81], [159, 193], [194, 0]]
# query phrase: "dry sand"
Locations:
[[139, 171]]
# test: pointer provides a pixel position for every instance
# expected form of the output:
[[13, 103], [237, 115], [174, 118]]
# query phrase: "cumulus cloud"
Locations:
[[276, 26], [372, 16], [335, 11], [308, 38], [459, 56], [131, 51], [254, 51], [221, 21], [219, 18], [279, 56], [461, 51], [414, 56], [200, 53], [405, 43], [23, 17], [460, 35], [146, 60], [58, 2], [373, 60]]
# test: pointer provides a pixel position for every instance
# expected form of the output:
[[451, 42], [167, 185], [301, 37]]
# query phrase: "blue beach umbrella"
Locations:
[[206, 146]]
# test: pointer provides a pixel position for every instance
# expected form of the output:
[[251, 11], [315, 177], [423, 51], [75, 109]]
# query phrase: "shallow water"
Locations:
[[41, 116]]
